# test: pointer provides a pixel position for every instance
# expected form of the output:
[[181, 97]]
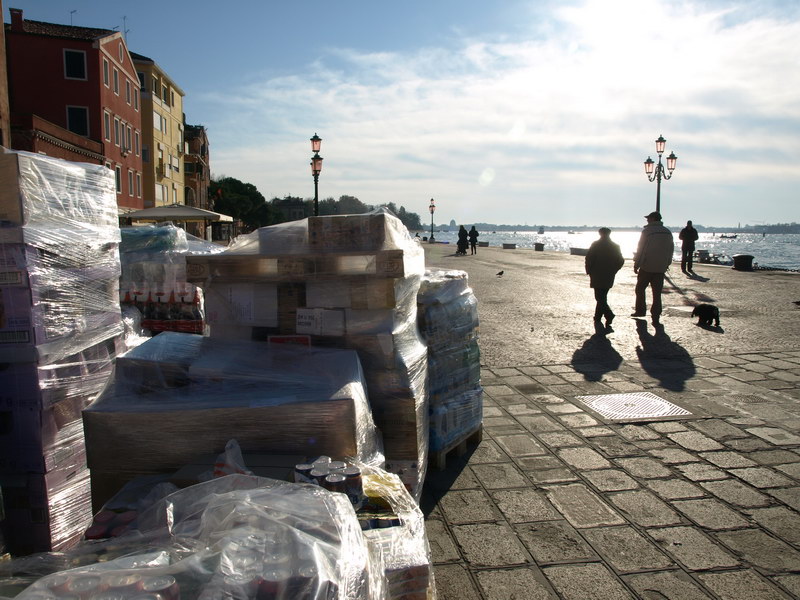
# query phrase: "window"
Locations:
[[145, 154], [75, 64], [130, 183], [121, 52], [156, 121], [118, 172], [107, 126], [127, 91], [105, 72], [116, 131], [138, 185], [128, 145], [188, 167], [136, 142], [165, 94], [160, 189], [116, 82], [172, 98], [136, 100], [176, 164], [141, 81], [78, 120], [155, 86]]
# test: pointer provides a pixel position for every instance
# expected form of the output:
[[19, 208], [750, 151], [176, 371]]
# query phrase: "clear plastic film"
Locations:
[[179, 396], [448, 321]]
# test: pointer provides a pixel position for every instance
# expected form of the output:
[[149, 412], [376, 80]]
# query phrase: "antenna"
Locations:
[[72, 12], [125, 29]]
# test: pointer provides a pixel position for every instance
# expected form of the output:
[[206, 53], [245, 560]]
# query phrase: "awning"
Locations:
[[177, 212]]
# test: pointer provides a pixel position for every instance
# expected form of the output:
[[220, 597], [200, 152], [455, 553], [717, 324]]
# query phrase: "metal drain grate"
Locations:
[[638, 405], [747, 398]]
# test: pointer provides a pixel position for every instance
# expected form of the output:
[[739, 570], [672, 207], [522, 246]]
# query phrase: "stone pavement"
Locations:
[[558, 501]]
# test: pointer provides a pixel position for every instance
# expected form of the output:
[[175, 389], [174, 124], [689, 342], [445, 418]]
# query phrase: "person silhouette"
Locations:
[[473, 240], [602, 262]]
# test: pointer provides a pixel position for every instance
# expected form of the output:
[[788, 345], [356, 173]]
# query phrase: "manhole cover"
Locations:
[[747, 398], [638, 405]]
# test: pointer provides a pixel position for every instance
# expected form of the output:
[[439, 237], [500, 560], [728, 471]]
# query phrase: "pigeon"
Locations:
[[500, 274]]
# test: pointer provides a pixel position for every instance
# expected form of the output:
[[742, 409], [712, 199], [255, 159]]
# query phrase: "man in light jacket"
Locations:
[[652, 259]]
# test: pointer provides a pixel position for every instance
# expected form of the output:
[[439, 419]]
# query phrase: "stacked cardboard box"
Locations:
[[448, 321], [60, 329], [346, 281]]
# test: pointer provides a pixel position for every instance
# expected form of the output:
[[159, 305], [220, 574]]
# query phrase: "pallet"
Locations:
[[438, 459]]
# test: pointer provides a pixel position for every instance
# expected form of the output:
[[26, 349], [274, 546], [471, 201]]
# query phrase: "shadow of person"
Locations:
[[596, 356], [663, 359], [696, 277]]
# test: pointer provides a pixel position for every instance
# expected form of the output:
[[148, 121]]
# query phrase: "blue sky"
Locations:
[[537, 112]]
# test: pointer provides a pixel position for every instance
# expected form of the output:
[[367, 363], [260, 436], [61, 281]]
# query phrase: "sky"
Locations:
[[512, 112]]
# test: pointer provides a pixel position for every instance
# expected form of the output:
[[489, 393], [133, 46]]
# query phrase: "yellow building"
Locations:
[[162, 135]]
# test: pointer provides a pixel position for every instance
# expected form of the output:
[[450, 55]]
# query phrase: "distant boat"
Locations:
[[728, 237], [570, 231], [541, 230], [579, 251]]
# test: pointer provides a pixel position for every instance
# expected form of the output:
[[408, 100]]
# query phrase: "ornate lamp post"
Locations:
[[316, 168], [432, 208], [650, 166]]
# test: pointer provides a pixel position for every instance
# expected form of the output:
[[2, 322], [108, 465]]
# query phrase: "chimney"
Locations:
[[16, 20]]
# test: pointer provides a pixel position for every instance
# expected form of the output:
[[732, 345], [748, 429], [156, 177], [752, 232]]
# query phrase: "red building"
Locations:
[[81, 80]]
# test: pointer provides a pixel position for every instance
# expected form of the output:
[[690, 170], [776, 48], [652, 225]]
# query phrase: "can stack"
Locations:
[[345, 281], [59, 333], [448, 321]]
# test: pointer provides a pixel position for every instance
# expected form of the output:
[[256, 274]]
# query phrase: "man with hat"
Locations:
[[652, 259]]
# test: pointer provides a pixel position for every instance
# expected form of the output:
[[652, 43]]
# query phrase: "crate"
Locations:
[[438, 459]]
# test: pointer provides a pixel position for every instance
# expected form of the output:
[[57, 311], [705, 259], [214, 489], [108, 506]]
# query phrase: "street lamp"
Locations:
[[432, 208], [650, 166], [316, 167]]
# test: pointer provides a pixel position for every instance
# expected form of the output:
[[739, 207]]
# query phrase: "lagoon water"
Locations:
[[776, 251]]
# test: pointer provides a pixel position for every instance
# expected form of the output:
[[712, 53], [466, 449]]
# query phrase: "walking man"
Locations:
[[473, 239], [688, 236], [603, 260], [652, 259]]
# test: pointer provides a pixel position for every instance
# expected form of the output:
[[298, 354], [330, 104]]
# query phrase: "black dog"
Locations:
[[706, 313]]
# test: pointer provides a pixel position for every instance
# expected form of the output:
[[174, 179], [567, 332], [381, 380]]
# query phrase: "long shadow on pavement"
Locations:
[[596, 356], [663, 359]]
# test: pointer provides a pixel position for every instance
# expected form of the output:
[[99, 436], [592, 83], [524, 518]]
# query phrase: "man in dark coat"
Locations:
[[603, 260], [688, 237]]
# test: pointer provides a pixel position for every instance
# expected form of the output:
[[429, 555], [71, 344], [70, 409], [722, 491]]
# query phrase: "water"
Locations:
[[774, 251]]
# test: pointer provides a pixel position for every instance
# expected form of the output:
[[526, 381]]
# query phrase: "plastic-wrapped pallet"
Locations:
[[448, 321], [345, 281], [60, 331], [178, 396]]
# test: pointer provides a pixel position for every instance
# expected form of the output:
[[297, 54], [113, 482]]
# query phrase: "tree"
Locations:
[[242, 201]]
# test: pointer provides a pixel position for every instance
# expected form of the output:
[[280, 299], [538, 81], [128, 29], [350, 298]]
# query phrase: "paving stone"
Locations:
[[524, 505], [668, 426], [615, 447], [626, 549], [590, 432], [498, 422], [728, 460], [737, 493], [496, 476], [774, 457], [583, 458], [494, 391], [791, 583], [560, 439], [672, 489], [520, 445], [539, 423], [546, 398], [549, 380], [504, 372], [667, 585], [452, 479], [443, 549], [776, 436], [694, 440], [578, 420], [534, 370], [791, 469], [744, 420], [646, 468], [453, 582], [487, 451], [789, 496], [611, 480], [782, 521], [748, 444], [582, 507], [518, 380], [524, 408], [468, 506], [762, 477], [552, 476], [563, 408], [490, 545], [761, 549], [466, 480], [711, 514], [638, 432], [553, 542], [701, 472], [741, 585], [692, 548], [581, 582], [493, 411], [644, 509], [524, 583], [673, 456]]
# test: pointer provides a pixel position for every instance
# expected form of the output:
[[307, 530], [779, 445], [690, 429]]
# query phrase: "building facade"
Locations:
[[82, 80], [163, 140], [5, 111], [197, 167]]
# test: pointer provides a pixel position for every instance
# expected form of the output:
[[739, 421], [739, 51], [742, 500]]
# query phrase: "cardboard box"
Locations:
[[347, 232], [320, 321]]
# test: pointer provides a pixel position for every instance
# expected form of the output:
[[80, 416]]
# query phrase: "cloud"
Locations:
[[500, 128]]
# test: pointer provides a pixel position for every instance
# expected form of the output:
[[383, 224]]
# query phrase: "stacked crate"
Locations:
[[60, 329], [346, 281]]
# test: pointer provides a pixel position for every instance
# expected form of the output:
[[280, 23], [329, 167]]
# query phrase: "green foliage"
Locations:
[[242, 201]]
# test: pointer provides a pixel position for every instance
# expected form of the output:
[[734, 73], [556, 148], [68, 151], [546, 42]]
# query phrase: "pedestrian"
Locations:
[[688, 236], [473, 240], [603, 260], [652, 259], [463, 240]]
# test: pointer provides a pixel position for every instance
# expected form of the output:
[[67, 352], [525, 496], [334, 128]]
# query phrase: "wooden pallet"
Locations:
[[438, 459]]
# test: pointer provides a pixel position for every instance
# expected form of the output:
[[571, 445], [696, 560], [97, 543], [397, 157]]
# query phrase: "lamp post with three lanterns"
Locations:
[[655, 172], [316, 168]]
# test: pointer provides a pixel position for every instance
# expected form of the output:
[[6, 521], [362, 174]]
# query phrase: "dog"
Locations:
[[706, 313]]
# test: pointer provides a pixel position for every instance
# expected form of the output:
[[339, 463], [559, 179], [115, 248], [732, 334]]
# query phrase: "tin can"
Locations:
[[56, 583], [354, 485], [337, 466], [319, 473], [303, 581], [322, 460], [335, 483], [124, 584], [164, 586], [302, 473], [273, 582], [85, 586]]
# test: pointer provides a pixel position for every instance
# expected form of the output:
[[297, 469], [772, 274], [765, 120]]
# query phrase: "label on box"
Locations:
[[320, 321]]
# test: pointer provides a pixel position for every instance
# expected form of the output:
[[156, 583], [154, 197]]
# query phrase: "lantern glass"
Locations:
[[316, 164], [316, 142], [432, 206], [660, 143], [672, 161], [649, 166]]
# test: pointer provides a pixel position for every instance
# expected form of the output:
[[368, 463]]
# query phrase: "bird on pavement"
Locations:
[[500, 274]]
